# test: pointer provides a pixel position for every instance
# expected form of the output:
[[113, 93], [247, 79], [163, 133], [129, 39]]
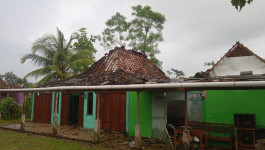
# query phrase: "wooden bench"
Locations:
[[216, 132]]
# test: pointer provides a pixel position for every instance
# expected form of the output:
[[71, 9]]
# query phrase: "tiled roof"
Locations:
[[238, 50], [4, 84], [118, 67]]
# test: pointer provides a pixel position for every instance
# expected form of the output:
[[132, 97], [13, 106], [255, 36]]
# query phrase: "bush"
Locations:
[[28, 107], [9, 109]]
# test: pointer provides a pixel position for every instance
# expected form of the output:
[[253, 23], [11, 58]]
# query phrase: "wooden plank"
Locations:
[[64, 108], [42, 108], [81, 110], [113, 111]]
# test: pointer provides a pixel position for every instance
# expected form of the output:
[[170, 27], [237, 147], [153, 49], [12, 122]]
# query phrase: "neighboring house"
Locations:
[[18, 96], [238, 64], [239, 60], [118, 67]]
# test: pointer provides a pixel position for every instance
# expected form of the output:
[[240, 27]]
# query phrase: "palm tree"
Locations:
[[56, 57]]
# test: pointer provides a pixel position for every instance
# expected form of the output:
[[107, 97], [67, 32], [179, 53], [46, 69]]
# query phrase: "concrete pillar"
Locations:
[[137, 127], [186, 107], [186, 139], [23, 116], [97, 130], [186, 132], [55, 117], [97, 122]]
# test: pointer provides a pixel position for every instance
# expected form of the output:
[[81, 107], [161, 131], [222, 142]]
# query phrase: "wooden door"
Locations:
[[81, 110], [113, 111], [64, 108], [42, 108]]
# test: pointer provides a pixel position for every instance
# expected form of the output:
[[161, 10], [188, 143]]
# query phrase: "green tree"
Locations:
[[56, 57], [116, 33], [210, 63], [178, 73], [13, 80], [83, 45], [146, 31], [143, 32], [239, 4]]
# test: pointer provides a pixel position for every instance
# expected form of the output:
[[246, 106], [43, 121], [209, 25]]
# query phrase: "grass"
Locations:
[[13, 121], [10, 140]]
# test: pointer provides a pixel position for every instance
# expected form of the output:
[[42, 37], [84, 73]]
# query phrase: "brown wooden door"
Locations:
[[64, 108], [113, 111], [42, 108], [81, 110]]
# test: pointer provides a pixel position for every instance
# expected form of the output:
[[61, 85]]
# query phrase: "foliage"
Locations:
[[85, 46], [13, 80], [28, 107], [210, 63], [178, 73], [143, 32], [239, 4], [57, 58], [146, 31], [116, 33], [9, 109]]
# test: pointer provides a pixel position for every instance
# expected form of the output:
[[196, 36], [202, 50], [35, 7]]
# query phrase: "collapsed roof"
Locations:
[[118, 67], [4, 84]]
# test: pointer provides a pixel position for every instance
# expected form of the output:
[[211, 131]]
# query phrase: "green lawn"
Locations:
[[22, 141], [14, 121]]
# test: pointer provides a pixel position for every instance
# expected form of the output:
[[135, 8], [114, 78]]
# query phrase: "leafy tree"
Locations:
[[83, 45], [116, 33], [56, 57], [210, 63], [146, 31], [239, 4], [143, 32], [13, 80], [178, 73]]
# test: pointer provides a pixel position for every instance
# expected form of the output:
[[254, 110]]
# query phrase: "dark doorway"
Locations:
[[73, 109], [175, 112]]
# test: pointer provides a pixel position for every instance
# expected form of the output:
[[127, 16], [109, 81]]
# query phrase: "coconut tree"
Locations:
[[55, 57]]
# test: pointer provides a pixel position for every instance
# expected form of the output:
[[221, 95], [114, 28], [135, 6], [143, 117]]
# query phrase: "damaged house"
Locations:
[[118, 67], [18, 96]]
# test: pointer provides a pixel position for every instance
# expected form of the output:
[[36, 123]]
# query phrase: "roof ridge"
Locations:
[[240, 45]]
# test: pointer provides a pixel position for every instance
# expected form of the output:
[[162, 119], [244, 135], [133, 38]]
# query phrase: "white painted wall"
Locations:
[[235, 65]]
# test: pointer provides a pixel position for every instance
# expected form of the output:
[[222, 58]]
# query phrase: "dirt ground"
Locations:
[[109, 140]]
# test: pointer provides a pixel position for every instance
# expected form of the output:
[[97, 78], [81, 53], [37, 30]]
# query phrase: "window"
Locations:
[[90, 104]]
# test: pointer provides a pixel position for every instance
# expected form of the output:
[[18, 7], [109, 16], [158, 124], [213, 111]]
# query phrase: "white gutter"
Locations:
[[234, 84]]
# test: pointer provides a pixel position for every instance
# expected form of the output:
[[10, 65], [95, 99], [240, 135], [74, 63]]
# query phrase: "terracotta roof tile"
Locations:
[[118, 67]]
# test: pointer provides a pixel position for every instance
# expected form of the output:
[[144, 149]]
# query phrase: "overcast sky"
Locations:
[[195, 31]]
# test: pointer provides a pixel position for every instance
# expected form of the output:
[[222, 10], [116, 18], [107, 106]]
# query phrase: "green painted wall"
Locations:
[[221, 105], [145, 113], [89, 120]]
